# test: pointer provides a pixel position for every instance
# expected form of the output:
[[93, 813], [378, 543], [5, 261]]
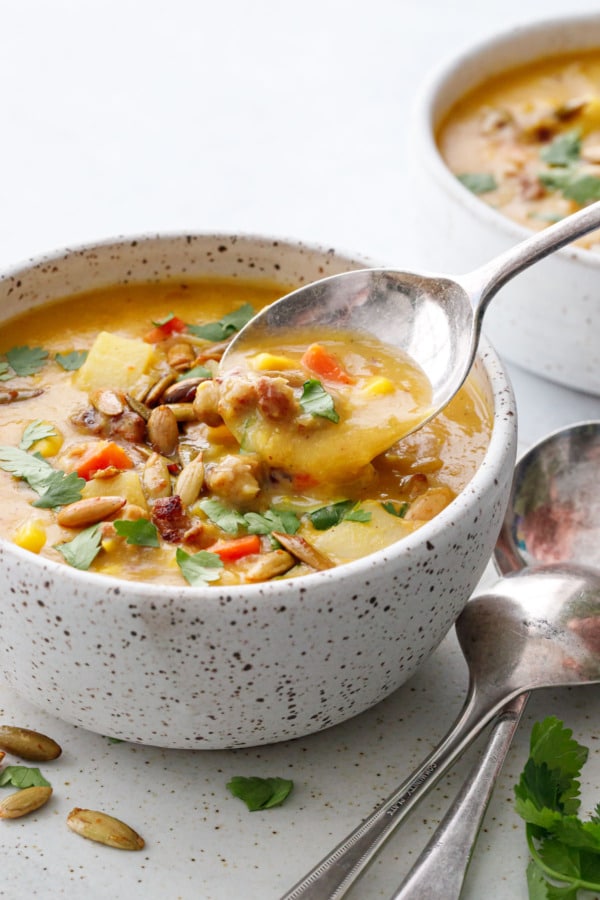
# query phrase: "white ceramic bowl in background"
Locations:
[[225, 667], [548, 318]]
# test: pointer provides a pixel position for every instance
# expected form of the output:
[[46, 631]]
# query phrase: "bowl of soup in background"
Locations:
[[546, 319], [211, 666]]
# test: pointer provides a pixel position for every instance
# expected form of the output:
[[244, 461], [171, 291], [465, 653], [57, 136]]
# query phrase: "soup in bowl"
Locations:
[[180, 587], [504, 142]]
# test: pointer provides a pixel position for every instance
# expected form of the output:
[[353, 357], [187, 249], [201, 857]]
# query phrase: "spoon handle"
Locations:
[[446, 857], [486, 281], [333, 876]]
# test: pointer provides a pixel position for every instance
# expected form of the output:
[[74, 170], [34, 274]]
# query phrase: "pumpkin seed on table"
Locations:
[[28, 744], [99, 826], [23, 802]]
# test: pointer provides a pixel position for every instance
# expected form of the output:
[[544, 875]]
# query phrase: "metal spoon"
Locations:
[[435, 319], [535, 628], [553, 515]]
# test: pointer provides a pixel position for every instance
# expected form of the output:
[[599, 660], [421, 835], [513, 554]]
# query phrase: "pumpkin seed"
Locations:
[[88, 511], [156, 478], [163, 430], [105, 829], [190, 480], [23, 802], [28, 744], [12, 395]]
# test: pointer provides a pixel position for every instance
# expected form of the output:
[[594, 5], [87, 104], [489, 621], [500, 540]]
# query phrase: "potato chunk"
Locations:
[[114, 361]]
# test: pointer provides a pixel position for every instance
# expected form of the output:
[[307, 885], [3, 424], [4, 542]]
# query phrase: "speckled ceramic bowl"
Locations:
[[211, 668], [547, 319]]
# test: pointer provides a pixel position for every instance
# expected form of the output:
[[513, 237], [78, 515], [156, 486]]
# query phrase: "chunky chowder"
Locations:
[[528, 141], [126, 452]]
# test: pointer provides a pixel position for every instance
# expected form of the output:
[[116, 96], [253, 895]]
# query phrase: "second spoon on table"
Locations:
[[553, 515]]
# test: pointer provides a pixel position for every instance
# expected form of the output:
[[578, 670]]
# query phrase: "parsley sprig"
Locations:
[[54, 486], [83, 549], [34, 432], [22, 777], [231, 521], [343, 511], [565, 850], [316, 401], [260, 793], [225, 327], [199, 568]]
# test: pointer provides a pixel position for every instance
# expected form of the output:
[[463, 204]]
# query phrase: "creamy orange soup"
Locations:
[[117, 456], [528, 141]]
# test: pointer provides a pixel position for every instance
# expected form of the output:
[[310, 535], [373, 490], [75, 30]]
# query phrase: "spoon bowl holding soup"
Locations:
[[188, 576]]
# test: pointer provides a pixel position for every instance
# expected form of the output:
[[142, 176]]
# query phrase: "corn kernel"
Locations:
[[269, 361], [589, 118], [378, 385], [49, 446], [30, 536], [110, 544]]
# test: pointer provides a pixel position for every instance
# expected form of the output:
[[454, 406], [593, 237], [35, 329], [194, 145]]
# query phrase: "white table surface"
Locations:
[[283, 119]]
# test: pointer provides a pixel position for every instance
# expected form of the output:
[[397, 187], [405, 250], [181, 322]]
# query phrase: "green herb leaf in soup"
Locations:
[[316, 401], [478, 182], [563, 150], [83, 549], [140, 532], [199, 568]]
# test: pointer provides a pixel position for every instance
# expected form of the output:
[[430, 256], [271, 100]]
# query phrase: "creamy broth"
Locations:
[[528, 141], [150, 482]]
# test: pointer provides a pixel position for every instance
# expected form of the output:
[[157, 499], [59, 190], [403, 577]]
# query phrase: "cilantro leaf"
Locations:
[[563, 150], [56, 488], [541, 889], [26, 360], [60, 489], [580, 188], [196, 372], [227, 518], [31, 468], [140, 532], [34, 432], [565, 850], [327, 516], [316, 401], [70, 362], [283, 520], [395, 509], [83, 549], [22, 777], [160, 322], [478, 182], [199, 568], [5, 371], [225, 327], [260, 793]]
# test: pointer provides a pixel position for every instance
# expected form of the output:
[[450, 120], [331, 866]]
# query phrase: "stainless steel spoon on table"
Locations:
[[538, 627], [553, 515], [435, 319]]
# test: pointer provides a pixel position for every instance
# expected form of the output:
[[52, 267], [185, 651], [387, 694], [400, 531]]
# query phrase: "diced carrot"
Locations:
[[103, 455], [236, 548], [302, 481], [318, 360], [173, 325]]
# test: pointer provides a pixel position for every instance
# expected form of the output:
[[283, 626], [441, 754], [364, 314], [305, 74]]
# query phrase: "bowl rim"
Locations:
[[502, 442], [426, 114]]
